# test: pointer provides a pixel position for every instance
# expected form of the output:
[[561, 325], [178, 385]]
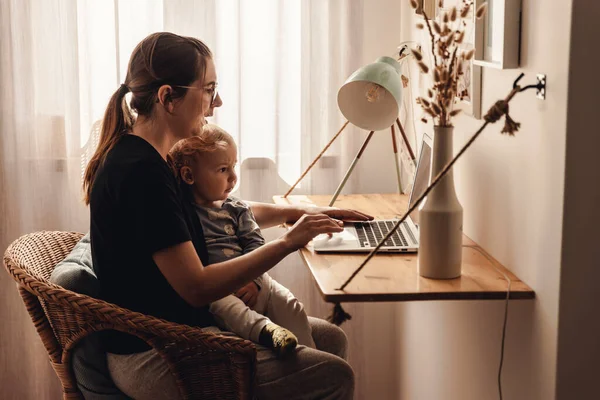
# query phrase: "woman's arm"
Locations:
[[268, 215], [199, 285]]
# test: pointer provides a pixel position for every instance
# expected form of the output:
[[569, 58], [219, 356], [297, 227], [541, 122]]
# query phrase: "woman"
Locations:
[[142, 231]]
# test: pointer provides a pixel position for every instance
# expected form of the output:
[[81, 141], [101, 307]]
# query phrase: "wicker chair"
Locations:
[[205, 365]]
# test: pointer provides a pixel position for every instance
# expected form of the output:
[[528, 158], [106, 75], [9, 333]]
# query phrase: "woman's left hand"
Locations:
[[340, 213]]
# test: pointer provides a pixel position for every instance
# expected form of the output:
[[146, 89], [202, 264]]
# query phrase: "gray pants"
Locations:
[[308, 375], [275, 303]]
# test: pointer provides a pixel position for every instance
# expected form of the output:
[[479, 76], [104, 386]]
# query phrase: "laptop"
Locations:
[[359, 237]]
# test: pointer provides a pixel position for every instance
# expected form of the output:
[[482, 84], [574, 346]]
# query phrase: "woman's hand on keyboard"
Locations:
[[309, 226]]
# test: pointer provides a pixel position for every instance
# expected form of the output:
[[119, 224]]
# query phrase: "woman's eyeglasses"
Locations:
[[211, 90]]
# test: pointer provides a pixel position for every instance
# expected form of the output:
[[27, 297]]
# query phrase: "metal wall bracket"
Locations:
[[541, 86]]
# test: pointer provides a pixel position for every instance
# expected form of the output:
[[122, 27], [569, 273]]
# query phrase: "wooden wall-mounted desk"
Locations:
[[394, 277]]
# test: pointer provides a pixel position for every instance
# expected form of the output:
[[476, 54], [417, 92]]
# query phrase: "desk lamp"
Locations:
[[370, 99]]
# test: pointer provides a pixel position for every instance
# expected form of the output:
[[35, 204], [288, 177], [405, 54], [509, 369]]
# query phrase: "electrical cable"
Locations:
[[508, 281]]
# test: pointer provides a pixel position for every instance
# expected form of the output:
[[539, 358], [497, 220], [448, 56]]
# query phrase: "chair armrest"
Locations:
[[205, 364]]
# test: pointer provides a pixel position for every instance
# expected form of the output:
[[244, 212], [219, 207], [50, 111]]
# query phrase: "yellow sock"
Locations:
[[280, 339]]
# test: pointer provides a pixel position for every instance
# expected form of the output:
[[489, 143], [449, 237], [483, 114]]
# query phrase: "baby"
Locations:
[[205, 165]]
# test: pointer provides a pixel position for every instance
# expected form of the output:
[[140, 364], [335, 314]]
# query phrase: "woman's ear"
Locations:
[[165, 97], [186, 175]]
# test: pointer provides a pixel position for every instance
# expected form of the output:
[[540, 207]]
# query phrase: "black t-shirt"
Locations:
[[137, 209]]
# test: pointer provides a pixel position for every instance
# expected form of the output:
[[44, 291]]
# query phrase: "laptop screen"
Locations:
[[421, 175]]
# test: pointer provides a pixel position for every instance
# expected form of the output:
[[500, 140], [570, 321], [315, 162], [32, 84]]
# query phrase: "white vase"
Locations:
[[441, 217]]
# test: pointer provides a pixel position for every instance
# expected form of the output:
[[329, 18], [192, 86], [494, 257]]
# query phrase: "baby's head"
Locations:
[[206, 163]]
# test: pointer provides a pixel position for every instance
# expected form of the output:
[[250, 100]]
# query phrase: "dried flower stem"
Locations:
[[448, 85], [447, 34], [435, 63]]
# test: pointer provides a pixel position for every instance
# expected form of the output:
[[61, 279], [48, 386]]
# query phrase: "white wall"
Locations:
[[512, 192]]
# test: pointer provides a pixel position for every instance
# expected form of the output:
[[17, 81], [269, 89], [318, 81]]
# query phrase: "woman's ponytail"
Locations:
[[117, 120]]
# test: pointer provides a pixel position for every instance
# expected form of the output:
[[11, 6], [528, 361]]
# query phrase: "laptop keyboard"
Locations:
[[371, 232]]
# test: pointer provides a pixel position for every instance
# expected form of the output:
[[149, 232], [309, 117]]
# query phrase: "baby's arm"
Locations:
[[248, 233]]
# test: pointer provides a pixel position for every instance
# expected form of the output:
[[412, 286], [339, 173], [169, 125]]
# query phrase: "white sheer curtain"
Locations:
[[280, 64], [40, 130]]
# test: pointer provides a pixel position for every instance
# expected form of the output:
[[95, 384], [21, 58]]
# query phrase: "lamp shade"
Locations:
[[371, 97]]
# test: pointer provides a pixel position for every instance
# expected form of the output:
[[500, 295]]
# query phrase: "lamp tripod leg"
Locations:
[[316, 159], [350, 169], [410, 151], [395, 147]]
